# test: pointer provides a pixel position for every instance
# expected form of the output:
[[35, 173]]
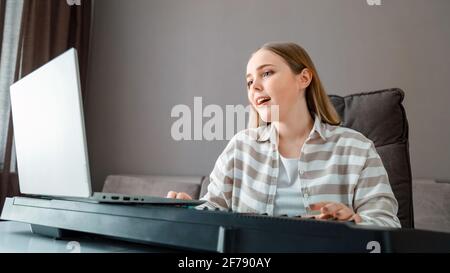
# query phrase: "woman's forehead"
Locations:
[[262, 57]]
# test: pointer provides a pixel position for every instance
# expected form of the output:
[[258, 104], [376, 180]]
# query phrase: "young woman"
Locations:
[[298, 161]]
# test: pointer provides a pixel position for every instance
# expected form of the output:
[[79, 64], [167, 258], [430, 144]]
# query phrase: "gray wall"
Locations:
[[148, 56]]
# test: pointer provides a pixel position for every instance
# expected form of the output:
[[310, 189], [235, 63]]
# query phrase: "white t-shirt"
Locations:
[[288, 198]]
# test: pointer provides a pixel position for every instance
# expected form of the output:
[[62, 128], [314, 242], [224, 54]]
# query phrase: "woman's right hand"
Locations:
[[178, 195]]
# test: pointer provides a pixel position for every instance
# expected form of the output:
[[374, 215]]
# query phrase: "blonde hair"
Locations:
[[316, 98]]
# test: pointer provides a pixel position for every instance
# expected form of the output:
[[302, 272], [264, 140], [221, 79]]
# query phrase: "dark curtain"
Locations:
[[49, 28], [3, 186], [2, 21]]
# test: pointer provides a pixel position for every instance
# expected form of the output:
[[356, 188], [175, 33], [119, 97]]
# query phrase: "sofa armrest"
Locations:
[[431, 205]]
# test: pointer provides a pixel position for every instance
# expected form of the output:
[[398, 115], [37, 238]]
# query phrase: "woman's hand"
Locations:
[[178, 195], [337, 211]]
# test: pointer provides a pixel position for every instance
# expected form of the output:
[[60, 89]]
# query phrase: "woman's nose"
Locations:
[[257, 86]]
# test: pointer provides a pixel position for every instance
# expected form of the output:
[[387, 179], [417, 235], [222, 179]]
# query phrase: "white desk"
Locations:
[[17, 237]]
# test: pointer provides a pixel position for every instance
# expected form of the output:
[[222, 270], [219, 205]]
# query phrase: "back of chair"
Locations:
[[381, 117]]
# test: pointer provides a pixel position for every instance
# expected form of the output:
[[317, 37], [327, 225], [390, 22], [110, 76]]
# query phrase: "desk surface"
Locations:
[[17, 237]]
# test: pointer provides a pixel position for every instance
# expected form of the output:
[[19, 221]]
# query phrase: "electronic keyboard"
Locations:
[[191, 229]]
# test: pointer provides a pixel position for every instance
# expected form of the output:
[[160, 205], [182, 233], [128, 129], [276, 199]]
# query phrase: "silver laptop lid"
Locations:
[[49, 130]]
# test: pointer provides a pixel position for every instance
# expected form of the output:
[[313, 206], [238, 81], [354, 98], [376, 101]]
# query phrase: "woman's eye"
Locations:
[[267, 73]]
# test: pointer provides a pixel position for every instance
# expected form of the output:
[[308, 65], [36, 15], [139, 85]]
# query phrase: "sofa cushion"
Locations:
[[152, 185]]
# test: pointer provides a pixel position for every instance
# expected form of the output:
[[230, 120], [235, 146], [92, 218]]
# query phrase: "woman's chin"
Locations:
[[267, 114]]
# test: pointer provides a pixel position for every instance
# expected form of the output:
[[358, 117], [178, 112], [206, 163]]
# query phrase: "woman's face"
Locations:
[[270, 81]]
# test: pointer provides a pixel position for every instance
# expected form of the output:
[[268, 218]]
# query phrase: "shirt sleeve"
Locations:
[[373, 198], [219, 192]]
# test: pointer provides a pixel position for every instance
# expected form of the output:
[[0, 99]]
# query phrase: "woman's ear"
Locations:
[[304, 78]]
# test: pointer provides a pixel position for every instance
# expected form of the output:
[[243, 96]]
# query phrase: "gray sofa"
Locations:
[[381, 117], [431, 205]]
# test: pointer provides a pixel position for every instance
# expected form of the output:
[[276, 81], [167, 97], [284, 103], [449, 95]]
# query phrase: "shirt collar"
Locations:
[[319, 127], [269, 132]]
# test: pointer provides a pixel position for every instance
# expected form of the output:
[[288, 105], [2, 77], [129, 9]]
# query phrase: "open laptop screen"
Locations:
[[49, 130]]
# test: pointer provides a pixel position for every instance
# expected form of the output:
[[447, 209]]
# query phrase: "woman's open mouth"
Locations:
[[263, 100]]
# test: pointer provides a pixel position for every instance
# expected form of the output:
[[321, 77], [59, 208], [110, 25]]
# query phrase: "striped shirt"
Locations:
[[336, 164]]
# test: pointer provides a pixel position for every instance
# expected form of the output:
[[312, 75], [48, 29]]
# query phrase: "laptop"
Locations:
[[50, 138]]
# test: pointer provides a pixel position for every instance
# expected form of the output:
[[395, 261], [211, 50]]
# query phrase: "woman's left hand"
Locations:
[[336, 211]]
